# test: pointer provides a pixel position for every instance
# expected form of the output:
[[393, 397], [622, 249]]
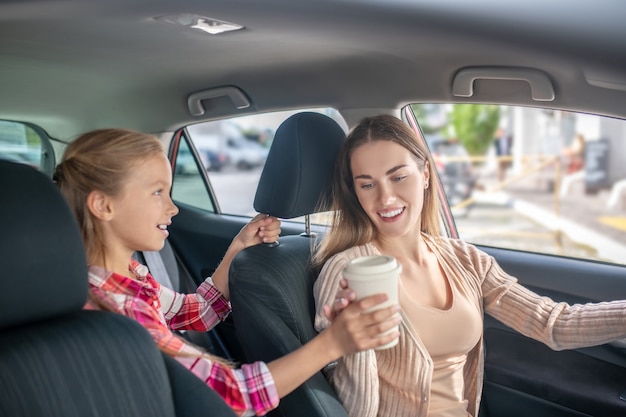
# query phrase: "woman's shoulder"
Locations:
[[462, 253], [336, 263], [360, 250], [352, 253], [450, 243], [458, 248]]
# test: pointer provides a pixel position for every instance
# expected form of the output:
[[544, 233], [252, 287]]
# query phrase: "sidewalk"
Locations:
[[584, 218]]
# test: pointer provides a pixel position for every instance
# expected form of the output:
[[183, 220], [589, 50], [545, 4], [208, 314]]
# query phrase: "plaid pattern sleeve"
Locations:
[[248, 390], [200, 311]]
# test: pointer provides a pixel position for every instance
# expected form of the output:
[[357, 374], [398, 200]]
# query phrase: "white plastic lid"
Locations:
[[371, 265]]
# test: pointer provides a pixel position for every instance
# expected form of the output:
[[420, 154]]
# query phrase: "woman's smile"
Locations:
[[391, 215]]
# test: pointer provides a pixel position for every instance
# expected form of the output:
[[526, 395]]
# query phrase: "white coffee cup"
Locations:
[[375, 274]]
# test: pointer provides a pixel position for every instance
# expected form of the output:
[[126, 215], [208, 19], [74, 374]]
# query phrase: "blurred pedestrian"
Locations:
[[503, 143], [575, 154]]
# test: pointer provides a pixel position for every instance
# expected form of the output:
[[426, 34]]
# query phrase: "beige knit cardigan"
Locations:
[[396, 382]]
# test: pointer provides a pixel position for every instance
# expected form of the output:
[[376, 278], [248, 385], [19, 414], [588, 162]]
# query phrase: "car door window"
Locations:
[[27, 144], [189, 184], [531, 179]]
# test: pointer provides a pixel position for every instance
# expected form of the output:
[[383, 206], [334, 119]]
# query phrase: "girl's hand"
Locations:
[[353, 330], [261, 229], [342, 299]]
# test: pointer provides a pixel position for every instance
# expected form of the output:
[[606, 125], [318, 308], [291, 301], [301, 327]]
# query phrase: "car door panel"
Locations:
[[201, 238], [524, 377]]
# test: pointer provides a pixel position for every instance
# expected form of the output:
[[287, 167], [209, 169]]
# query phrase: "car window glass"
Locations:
[[233, 152], [188, 184], [22, 143], [531, 179]]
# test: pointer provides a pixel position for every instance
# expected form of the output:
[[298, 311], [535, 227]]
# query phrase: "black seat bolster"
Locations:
[[279, 278], [272, 289], [75, 364], [191, 398], [272, 339]]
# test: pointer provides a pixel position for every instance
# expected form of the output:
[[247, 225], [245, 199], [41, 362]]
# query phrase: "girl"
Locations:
[[117, 183], [385, 202]]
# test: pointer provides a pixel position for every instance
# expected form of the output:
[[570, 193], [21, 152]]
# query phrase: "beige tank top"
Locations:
[[448, 335]]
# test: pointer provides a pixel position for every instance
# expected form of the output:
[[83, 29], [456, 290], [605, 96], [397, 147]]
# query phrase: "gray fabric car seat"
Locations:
[[56, 359], [170, 271], [271, 286]]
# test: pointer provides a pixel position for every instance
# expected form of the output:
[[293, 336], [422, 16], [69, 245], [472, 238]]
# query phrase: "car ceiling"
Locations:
[[71, 66]]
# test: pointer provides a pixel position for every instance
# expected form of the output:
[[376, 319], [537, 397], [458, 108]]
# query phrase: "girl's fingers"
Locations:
[[366, 303], [383, 339], [363, 328], [341, 301], [328, 313], [268, 227], [379, 327], [365, 337], [343, 298]]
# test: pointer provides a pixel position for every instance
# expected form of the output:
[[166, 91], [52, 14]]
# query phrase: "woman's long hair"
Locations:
[[350, 225]]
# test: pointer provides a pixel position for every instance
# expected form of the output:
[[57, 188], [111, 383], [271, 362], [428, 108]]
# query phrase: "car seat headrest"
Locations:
[[44, 267], [299, 167]]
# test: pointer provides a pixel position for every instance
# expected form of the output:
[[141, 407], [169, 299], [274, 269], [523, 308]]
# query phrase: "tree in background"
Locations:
[[474, 126], [424, 115]]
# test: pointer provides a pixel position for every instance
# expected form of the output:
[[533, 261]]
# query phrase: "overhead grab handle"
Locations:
[[239, 99], [541, 88]]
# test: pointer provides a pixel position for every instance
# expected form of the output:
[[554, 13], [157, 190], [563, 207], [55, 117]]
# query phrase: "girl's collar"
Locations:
[[138, 269]]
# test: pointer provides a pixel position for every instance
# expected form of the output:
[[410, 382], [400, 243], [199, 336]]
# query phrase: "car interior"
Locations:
[[159, 66]]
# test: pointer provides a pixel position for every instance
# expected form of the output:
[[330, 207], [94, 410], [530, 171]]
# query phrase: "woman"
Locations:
[[385, 202], [118, 183]]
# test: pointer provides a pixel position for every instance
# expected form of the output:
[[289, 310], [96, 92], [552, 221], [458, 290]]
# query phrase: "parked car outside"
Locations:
[[214, 160], [244, 153], [224, 144]]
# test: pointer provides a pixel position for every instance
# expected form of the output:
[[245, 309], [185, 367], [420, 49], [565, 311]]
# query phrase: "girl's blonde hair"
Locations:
[[102, 160], [350, 225]]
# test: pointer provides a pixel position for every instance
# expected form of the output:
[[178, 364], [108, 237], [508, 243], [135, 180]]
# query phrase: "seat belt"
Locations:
[[157, 268]]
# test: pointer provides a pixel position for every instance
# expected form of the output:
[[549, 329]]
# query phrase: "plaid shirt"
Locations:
[[247, 390]]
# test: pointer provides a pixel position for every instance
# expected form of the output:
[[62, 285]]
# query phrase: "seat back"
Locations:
[[57, 359], [271, 286]]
